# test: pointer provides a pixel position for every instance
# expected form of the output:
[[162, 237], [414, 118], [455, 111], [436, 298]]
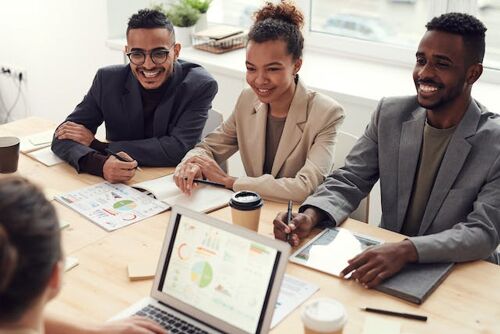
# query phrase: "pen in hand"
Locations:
[[396, 314], [289, 217], [212, 183], [108, 151]]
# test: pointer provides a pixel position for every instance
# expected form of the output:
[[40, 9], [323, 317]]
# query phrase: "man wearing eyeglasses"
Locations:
[[154, 108]]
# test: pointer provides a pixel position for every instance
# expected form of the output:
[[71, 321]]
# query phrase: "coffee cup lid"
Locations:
[[246, 200], [8, 141], [324, 315]]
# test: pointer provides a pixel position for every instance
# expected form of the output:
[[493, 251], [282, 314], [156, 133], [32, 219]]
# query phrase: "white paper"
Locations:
[[203, 199], [46, 157], [36, 141], [70, 262], [293, 293], [112, 206]]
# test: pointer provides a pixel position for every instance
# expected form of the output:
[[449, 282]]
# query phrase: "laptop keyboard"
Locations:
[[169, 321]]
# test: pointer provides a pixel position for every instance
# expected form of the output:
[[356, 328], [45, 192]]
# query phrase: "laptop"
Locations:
[[214, 277]]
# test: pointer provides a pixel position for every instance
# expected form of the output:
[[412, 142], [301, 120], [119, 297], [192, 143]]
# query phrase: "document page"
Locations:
[[36, 141], [46, 157]]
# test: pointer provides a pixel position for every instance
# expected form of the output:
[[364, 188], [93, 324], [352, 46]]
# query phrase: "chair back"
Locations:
[[213, 121]]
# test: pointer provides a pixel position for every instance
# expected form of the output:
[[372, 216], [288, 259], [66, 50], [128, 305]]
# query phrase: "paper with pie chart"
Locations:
[[112, 206], [220, 273]]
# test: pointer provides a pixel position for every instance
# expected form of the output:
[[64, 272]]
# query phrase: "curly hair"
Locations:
[[470, 28], [30, 246], [282, 21], [149, 19]]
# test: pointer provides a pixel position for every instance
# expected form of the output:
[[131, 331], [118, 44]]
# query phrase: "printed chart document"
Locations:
[[46, 157], [36, 141], [204, 198], [330, 250], [293, 293], [111, 206]]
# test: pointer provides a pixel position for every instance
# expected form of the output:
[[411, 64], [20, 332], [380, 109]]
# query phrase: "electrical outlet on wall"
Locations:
[[13, 72]]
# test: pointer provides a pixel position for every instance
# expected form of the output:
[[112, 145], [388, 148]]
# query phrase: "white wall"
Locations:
[[60, 44]]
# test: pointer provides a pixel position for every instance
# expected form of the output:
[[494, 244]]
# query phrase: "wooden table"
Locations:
[[466, 302]]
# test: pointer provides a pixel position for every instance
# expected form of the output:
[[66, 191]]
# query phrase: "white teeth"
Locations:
[[263, 90], [426, 88], [150, 74]]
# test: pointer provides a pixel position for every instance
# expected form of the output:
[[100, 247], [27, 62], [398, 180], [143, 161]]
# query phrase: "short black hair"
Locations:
[[469, 27], [149, 19]]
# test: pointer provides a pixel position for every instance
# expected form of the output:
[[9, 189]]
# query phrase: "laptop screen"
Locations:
[[220, 273]]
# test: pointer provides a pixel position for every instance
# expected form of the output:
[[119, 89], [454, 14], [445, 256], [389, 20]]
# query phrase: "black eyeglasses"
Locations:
[[158, 56]]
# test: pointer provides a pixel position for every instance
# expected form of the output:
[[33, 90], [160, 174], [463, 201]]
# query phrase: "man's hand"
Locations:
[[378, 263], [185, 174], [116, 171], [300, 225], [134, 325], [212, 171], [76, 132]]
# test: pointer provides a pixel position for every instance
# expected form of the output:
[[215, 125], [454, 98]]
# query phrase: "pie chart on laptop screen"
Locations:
[[125, 205], [201, 274]]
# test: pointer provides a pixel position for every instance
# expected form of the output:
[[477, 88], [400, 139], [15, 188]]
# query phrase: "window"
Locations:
[[385, 29]]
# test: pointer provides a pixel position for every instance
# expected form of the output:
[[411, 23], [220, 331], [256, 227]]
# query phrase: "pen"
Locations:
[[396, 314], [107, 150], [215, 184], [289, 217]]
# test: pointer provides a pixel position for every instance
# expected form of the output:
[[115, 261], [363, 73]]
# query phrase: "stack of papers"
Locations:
[[37, 146]]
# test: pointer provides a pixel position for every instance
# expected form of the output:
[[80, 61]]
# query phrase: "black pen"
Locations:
[[289, 217], [108, 151], [396, 314], [215, 184]]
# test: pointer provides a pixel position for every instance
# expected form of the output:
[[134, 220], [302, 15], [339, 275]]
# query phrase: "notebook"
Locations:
[[214, 277], [36, 141], [45, 156], [204, 198], [416, 281]]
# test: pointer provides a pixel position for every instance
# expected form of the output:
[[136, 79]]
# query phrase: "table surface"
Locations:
[[98, 288]]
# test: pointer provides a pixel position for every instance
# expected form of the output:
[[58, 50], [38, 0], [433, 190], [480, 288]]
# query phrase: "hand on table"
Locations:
[[133, 325], [185, 174], [300, 225], [116, 171], [76, 132], [212, 171], [380, 262]]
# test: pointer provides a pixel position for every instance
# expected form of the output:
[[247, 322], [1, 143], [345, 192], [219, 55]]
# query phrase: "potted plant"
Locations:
[[202, 7], [183, 18]]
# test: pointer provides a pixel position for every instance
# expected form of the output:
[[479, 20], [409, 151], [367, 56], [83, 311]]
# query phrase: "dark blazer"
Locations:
[[462, 218], [115, 99]]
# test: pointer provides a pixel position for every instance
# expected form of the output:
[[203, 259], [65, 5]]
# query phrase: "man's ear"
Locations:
[[177, 50], [56, 278], [473, 73]]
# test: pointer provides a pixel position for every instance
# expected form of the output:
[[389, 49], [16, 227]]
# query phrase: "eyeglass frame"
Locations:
[[150, 53]]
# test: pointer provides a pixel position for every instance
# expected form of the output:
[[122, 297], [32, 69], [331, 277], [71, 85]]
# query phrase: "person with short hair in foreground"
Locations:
[[437, 155], [32, 266]]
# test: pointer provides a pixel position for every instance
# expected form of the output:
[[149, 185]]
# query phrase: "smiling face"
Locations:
[[149, 74], [271, 71], [440, 72]]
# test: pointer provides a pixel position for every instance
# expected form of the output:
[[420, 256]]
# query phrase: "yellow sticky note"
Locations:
[[377, 325]]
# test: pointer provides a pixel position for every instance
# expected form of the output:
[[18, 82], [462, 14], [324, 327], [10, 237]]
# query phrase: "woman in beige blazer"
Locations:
[[285, 132]]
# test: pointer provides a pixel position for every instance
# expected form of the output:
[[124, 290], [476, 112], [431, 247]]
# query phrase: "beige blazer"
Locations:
[[305, 152]]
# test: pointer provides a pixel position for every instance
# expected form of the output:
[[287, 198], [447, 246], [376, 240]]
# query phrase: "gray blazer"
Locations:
[[462, 218]]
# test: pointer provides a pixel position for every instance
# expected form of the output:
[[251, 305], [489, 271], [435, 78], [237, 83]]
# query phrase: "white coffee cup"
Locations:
[[324, 316]]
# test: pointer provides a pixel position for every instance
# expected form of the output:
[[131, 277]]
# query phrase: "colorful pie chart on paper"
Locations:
[[202, 274], [125, 205]]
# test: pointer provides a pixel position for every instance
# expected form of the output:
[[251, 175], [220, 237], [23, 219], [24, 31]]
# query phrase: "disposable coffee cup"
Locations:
[[9, 154], [324, 316], [245, 209]]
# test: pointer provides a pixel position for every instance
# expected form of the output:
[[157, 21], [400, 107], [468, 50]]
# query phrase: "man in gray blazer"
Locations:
[[437, 155], [154, 108]]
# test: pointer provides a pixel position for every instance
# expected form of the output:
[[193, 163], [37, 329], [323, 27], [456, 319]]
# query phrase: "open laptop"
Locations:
[[214, 277]]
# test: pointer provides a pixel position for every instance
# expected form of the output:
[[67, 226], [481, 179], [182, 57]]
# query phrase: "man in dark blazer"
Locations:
[[437, 155], [154, 108]]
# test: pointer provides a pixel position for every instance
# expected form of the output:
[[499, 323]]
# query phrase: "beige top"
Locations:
[[434, 144], [305, 153], [274, 130]]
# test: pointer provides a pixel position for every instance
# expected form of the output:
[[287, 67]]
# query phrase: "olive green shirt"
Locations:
[[434, 144], [274, 130]]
